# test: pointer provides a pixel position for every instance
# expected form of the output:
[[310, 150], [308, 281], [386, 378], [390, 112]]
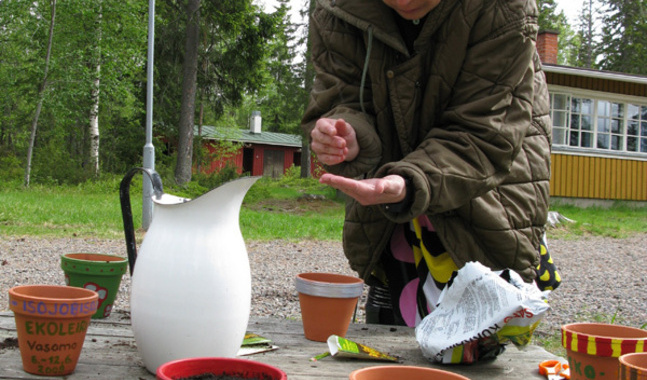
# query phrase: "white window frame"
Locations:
[[596, 97]]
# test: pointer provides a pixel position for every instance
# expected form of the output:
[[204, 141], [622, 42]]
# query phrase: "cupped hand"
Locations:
[[372, 191], [334, 141]]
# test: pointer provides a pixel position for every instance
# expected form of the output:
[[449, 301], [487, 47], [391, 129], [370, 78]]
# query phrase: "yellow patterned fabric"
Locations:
[[548, 277]]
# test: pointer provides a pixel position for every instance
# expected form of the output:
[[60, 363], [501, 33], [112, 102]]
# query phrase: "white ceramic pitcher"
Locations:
[[191, 287]]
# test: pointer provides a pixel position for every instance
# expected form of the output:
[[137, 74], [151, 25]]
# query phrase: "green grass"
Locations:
[[272, 210], [618, 221]]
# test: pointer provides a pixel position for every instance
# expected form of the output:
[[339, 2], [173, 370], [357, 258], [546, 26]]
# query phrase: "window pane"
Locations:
[[603, 108], [616, 126], [643, 128], [632, 128], [603, 125], [617, 110], [576, 105], [575, 139], [587, 140], [559, 136], [587, 106], [575, 122], [632, 144], [559, 118], [616, 142], [603, 141], [586, 124], [643, 145], [559, 101], [634, 112]]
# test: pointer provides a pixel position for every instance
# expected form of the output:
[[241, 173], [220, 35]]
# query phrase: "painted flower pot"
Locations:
[[633, 366], [593, 349], [98, 272], [391, 372], [327, 303], [51, 322], [230, 367]]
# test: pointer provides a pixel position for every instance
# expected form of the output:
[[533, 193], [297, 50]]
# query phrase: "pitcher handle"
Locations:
[[126, 210]]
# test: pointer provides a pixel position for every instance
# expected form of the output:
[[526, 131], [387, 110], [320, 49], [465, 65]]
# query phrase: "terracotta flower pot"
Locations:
[[98, 272], [240, 368], [633, 366], [593, 349], [51, 322], [327, 303], [391, 372]]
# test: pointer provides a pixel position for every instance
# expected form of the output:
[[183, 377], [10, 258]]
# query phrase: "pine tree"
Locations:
[[624, 36], [586, 35]]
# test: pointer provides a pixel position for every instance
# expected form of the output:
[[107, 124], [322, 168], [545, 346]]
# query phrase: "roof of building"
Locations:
[[592, 73], [247, 136]]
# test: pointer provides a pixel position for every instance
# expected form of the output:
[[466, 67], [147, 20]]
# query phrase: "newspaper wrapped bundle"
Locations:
[[478, 313]]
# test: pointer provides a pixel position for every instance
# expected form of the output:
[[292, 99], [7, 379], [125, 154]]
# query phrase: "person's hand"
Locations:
[[334, 141], [372, 191]]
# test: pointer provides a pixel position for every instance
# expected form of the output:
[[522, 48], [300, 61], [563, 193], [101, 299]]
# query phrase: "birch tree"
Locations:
[[41, 94]]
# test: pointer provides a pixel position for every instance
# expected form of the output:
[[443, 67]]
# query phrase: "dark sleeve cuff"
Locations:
[[403, 204]]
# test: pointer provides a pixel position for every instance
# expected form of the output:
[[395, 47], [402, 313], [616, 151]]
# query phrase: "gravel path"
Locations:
[[602, 277]]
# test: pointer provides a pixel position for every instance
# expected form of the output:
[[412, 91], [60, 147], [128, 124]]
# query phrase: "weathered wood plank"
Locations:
[[110, 352]]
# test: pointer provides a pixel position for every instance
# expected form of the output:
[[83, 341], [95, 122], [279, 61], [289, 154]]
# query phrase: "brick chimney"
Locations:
[[547, 46]]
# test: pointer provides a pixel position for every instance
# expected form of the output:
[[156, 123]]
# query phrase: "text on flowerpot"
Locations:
[[588, 371], [55, 328], [61, 309], [54, 347]]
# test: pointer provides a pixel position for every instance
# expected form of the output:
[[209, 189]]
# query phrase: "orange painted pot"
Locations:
[[633, 366], [391, 372], [327, 303], [51, 322], [593, 349]]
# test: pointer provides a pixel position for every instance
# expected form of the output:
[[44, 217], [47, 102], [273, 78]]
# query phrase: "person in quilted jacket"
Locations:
[[433, 117]]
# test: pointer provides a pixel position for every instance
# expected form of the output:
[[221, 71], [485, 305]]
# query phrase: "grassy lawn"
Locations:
[[292, 209]]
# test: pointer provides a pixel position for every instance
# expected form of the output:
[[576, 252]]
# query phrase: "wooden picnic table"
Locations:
[[110, 352]]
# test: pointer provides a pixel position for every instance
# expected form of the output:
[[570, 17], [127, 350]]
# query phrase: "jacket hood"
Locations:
[[379, 17]]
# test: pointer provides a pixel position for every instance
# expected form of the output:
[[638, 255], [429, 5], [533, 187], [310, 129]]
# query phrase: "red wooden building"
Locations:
[[251, 151]]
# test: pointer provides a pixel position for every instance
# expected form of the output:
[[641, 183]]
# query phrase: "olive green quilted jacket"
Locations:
[[465, 117]]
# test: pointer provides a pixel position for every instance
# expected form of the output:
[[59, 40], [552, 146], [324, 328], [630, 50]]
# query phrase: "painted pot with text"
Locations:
[[593, 349], [98, 272], [51, 322]]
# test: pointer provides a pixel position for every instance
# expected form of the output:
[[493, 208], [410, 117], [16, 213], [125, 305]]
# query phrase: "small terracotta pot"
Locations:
[[633, 366], [593, 349], [98, 272], [391, 372], [241, 368], [327, 303], [51, 322]]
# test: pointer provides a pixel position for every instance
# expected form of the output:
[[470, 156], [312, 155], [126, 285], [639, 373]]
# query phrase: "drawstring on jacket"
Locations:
[[365, 70]]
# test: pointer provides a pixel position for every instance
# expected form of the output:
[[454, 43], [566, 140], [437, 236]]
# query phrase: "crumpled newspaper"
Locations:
[[478, 313]]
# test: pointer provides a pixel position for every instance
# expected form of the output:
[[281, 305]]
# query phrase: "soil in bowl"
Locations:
[[225, 376]]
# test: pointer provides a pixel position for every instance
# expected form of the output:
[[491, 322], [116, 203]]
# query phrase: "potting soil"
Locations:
[[235, 376]]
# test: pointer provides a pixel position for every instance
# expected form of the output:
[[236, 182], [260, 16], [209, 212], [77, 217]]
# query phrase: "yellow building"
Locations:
[[599, 130]]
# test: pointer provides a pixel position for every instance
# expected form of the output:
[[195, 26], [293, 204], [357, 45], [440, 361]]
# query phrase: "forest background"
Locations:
[[73, 77]]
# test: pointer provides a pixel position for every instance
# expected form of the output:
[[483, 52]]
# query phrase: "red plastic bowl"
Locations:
[[243, 368]]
